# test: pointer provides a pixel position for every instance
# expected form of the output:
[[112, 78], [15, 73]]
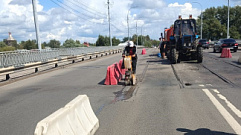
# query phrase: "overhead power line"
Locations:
[[86, 9], [67, 9], [90, 8], [76, 10], [85, 19]]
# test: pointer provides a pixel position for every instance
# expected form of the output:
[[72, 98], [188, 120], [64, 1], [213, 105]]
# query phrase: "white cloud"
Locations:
[[148, 4], [86, 20], [237, 2], [20, 2]]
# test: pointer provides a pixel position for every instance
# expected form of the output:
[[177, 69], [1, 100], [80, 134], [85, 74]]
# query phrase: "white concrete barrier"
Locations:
[[239, 60], [76, 118]]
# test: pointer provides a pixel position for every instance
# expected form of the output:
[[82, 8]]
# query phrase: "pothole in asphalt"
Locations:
[[188, 84]]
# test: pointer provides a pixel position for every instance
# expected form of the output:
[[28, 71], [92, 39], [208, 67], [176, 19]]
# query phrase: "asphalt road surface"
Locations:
[[181, 99]]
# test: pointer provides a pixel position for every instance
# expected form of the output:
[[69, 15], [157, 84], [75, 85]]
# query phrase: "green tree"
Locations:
[[30, 44], [234, 33], [69, 43], [2, 44], [215, 22], [21, 45], [155, 42], [115, 41], [77, 42], [124, 39], [54, 43], [100, 41], [107, 41], [44, 44], [7, 48], [147, 44], [15, 44]]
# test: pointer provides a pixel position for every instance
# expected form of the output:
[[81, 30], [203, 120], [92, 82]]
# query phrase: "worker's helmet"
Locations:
[[130, 43]]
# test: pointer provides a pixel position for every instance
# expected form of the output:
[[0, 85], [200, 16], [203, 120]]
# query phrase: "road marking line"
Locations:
[[215, 90], [227, 116], [229, 104], [201, 85]]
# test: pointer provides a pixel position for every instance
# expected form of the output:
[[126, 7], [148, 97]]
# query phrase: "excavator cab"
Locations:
[[185, 33], [182, 43]]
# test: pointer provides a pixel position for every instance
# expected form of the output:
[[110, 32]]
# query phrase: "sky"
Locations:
[[85, 20]]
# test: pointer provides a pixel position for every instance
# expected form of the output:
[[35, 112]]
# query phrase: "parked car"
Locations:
[[204, 43], [225, 43], [211, 44]]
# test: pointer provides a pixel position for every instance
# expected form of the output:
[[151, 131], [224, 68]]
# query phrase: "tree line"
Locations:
[[142, 40], [70, 43], [32, 44], [215, 23]]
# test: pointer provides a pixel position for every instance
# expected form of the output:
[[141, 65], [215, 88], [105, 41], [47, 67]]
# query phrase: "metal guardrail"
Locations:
[[41, 60], [19, 58]]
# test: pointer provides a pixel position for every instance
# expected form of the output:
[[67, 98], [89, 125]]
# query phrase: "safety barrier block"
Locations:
[[113, 79], [143, 51], [84, 114], [118, 74], [226, 53], [107, 78], [123, 70], [76, 118]]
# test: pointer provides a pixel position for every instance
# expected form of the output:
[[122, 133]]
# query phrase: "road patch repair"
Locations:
[[76, 118]]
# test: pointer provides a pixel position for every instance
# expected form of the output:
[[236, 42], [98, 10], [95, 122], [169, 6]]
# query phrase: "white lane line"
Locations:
[[201, 85], [227, 116], [229, 104], [215, 90]]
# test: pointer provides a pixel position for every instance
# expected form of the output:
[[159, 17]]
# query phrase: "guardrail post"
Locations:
[[7, 76], [36, 69]]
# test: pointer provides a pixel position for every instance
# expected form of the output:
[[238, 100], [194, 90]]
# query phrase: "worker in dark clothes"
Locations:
[[162, 47], [130, 49]]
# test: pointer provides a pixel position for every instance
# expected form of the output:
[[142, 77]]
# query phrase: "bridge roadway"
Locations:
[[186, 98]]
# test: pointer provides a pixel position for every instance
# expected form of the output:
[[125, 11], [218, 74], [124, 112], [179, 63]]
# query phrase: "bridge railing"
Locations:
[[19, 58]]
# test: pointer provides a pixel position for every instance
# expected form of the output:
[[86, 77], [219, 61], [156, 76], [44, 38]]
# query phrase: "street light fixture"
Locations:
[[228, 22], [128, 20], [36, 24], [201, 19]]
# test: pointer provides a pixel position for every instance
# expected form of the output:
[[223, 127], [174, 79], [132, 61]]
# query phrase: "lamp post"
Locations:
[[201, 19], [36, 24], [128, 20], [136, 35], [228, 22], [142, 35], [108, 2], [136, 32]]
